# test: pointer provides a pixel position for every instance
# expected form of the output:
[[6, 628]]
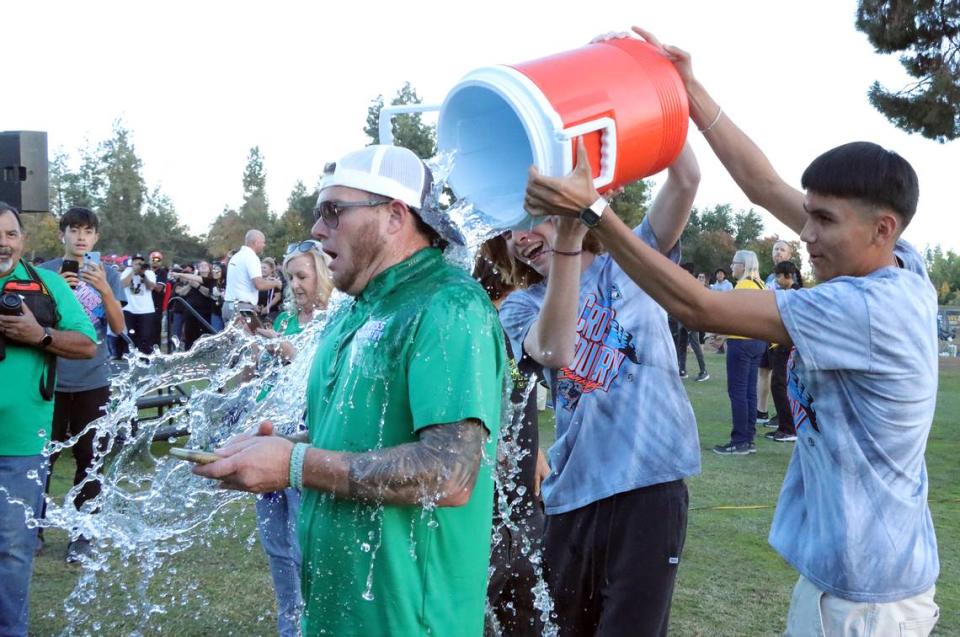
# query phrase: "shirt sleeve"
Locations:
[[517, 315], [645, 232], [829, 324], [456, 363], [252, 264], [150, 276]]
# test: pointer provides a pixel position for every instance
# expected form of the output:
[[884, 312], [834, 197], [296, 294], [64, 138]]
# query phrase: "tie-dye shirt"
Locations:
[[623, 417], [852, 515]]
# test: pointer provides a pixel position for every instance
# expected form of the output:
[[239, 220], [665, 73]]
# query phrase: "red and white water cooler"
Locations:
[[621, 95]]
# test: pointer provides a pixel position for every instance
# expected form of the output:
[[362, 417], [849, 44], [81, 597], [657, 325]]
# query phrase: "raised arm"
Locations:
[[742, 312], [671, 209], [742, 158], [441, 467]]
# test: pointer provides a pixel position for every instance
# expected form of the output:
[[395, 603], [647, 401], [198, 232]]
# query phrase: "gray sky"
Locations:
[[200, 83]]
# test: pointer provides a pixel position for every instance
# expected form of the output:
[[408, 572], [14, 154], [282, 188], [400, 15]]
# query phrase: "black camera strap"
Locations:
[[44, 308]]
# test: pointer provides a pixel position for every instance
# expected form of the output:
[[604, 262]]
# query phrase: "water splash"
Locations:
[[152, 509]]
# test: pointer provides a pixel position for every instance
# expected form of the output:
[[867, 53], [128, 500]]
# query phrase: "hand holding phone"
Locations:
[[194, 455], [251, 320], [91, 258]]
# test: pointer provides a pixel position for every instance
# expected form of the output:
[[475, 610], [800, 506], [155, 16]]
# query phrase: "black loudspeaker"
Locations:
[[24, 180]]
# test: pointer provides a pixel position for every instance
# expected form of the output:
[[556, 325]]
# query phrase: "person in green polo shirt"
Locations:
[[25, 414], [403, 410]]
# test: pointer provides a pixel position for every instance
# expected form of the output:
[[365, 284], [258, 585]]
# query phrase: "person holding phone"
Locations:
[[83, 386]]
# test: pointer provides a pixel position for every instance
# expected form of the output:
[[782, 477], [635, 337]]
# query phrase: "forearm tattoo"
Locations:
[[443, 462]]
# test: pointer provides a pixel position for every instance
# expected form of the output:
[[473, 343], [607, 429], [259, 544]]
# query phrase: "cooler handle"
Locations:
[[387, 113], [608, 145]]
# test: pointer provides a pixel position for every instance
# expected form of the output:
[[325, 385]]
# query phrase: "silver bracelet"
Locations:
[[714, 122]]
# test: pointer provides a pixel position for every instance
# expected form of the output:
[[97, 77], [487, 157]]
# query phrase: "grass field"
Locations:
[[730, 582]]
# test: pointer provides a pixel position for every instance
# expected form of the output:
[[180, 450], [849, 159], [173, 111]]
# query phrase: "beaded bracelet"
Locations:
[[296, 464]]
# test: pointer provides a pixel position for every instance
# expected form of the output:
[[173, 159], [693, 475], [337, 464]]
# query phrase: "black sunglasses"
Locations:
[[304, 246], [330, 211]]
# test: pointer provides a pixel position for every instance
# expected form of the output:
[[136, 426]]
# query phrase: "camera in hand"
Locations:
[[11, 304]]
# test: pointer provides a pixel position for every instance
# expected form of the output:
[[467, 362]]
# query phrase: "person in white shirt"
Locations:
[[139, 281], [245, 278]]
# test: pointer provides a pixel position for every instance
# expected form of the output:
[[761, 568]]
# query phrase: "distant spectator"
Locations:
[[245, 277], [782, 251], [684, 338], [139, 281], [720, 281], [216, 294], [268, 301], [197, 290], [743, 360], [160, 294], [786, 276]]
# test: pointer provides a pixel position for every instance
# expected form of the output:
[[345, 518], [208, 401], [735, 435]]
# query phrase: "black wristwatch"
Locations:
[[590, 216], [47, 338]]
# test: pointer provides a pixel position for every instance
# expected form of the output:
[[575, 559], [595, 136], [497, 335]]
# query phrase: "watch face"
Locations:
[[589, 217]]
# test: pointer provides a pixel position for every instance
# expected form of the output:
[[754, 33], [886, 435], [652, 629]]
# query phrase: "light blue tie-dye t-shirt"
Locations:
[[623, 417], [852, 515]]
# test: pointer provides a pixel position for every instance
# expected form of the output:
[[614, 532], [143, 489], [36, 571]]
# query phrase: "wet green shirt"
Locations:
[[25, 417], [420, 346]]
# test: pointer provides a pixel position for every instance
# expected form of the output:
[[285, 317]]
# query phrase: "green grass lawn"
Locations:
[[730, 583]]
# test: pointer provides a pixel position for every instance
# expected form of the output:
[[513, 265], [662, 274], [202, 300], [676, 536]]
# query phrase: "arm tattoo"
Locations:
[[444, 462]]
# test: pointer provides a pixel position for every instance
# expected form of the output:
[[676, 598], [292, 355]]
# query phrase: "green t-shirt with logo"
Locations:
[[420, 346], [25, 417]]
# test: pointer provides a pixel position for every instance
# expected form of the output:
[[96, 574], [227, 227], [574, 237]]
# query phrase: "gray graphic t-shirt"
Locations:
[[852, 515], [84, 375], [623, 417]]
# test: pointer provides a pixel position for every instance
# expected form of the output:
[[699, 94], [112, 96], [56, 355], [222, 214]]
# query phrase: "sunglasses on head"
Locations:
[[304, 246]]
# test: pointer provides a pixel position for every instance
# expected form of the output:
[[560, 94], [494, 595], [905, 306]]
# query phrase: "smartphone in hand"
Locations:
[[69, 265], [193, 455], [91, 258]]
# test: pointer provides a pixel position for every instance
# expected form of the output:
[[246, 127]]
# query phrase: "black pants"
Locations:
[[611, 565], [513, 576], [778, 357], [72, 412], [140, 328], [682, 340], [192, 329]]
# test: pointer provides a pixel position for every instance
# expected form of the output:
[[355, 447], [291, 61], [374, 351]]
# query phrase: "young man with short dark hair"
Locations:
[[852, 517], [83, 386]]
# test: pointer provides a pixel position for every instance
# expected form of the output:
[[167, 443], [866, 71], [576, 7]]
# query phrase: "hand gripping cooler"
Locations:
[[627, 101]]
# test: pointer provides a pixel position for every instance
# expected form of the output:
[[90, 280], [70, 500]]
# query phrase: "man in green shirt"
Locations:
[[403, 408], [25, 414]]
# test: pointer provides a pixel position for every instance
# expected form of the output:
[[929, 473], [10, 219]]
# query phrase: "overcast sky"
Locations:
[[200, 83]]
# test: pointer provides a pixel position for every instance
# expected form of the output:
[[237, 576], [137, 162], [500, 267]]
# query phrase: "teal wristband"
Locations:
[[297, 455]]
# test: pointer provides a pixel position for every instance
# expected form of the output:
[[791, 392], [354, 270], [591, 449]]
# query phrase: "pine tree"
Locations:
[[409, 130], [927, 34], [122, 203]]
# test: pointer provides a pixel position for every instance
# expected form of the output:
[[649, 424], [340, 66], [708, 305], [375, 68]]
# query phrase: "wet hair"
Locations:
[[436, 241], [491, 278], [80, 217], [5, 207], [868, 172], [790, 269]]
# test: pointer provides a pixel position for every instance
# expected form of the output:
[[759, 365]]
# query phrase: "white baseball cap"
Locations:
[[397, 173]]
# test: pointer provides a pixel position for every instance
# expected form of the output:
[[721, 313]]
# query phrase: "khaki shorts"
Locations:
[[814, 613]]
